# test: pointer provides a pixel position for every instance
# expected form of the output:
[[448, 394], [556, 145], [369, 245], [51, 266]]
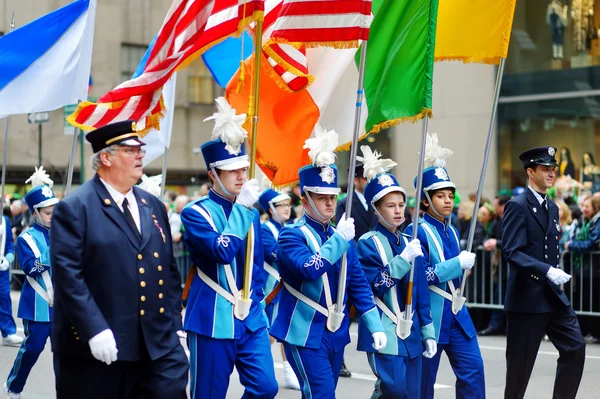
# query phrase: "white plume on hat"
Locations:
[[39, 178], [321, 146], [372, 165], [228, 126], [151, 184], [435, 155]]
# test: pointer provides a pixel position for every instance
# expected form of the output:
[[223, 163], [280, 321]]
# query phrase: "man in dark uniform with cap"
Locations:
[[535, 303], [117, 289]]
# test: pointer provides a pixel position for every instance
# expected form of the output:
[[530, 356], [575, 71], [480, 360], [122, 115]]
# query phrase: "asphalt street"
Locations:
[[41, 381]]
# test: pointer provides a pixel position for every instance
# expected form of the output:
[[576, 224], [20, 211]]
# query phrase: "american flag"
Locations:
[[189, 29]]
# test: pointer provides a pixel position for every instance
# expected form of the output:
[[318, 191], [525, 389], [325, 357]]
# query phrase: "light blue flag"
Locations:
[[223, 60]]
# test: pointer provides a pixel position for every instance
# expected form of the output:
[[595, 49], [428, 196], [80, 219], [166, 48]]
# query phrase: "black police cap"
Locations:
[[122, 133], [538, 156]]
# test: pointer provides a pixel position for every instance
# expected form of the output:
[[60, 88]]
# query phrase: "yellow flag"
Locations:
[[474, 30]]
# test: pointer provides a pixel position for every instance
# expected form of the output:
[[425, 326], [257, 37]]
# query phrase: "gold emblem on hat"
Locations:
[[133, 126]]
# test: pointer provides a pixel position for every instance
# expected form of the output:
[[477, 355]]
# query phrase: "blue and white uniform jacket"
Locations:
[[7, 241], [215, 236], [304, 268], [270, 235], [33, 250], [388, 276], [441, 246]]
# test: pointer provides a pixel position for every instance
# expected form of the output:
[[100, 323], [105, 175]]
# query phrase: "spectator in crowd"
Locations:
[[585, 240], [565, 219], [204, 189], [486, 217], [465, 215], [16, 218], [170, 196]]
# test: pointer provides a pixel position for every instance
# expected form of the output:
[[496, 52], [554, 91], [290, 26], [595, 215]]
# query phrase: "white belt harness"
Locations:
[[47, 294], [235, 296], [454, 298], [396, 314], [334, 319]]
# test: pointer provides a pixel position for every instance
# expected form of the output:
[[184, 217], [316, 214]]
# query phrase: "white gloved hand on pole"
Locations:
[[412, 250], [249, 193], [4, 265], [430, 348], [104, 346], [345, 228], [379, 340], [467, 260], [557, 276]]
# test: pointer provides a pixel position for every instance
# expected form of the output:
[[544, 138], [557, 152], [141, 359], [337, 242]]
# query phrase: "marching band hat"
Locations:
[[41, 195], [538, 156], [217, 156], [319, 179], [435, 178], [121, 133], [270, 197], [380, 186]]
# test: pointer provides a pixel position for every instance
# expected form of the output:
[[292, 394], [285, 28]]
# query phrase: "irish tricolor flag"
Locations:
[[398, 87]]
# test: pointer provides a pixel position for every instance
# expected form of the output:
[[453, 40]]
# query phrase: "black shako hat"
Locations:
[[122, 133], [538, 156]]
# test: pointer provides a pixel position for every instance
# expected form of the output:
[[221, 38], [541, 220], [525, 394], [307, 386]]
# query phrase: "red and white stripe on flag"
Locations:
[[295, 75], [189, 29], [314, 23]]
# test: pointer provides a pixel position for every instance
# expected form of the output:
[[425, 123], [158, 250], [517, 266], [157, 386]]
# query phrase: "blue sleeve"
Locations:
[[423, 305], [295, 255], [587, 245], [219, 247], [377, 275], [9, 247], [360, 293], [259, 275], [269, 245], [31, 265]]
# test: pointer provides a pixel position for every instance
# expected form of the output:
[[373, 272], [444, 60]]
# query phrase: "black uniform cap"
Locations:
[[538, 156], [122, 133]]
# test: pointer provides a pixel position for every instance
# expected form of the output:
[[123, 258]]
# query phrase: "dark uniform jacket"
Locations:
[[530, 238], [364, 220], [106, 276]]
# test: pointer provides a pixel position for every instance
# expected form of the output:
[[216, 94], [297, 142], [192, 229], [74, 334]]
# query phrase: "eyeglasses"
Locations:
[[132, 150]]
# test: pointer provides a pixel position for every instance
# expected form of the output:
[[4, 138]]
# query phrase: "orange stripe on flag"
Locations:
[[286, 120]]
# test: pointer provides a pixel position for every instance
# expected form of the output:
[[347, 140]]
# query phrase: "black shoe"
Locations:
[[489, 332], [344, 372]]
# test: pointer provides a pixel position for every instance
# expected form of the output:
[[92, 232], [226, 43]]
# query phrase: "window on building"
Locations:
[[202, 88], [131, 55]]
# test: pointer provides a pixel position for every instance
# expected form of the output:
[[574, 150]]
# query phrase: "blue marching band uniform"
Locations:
[[398, 365], [454, 329], [7, 257], [37, 294]]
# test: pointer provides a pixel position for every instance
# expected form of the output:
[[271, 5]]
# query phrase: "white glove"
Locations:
[[346, 228], [412, 250], [467, 260], [249, 193], [379, 340], [4, 265], [431, 348], [557, 276], [104, 346]]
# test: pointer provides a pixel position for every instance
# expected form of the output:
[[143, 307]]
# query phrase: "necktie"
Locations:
[[129, 216]]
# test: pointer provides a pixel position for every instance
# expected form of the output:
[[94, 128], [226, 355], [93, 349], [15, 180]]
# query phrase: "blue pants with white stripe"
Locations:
[[7, 322], [398, 377], [212, 361], [465, 358], [36, 335], [317, 370]]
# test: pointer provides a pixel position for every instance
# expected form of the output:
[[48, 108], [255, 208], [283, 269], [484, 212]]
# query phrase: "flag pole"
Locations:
[[163, 181], [76, 134], [408, 310], [254, 101], [339, 304], [12, 27], [486, 156]]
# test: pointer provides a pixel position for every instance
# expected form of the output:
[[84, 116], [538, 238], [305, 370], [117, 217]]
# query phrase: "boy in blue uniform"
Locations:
[[224, 330], [310, 253], [386, 256], [7, 257], [444, 264], [279, 208], [37, 295]]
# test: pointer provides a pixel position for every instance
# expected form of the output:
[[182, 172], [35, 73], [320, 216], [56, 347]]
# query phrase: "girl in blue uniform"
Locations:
[[386, 256], [444, 264], [37, 295], [279, 208]]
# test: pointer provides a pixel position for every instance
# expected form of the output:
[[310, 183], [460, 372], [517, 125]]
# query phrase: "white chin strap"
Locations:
[[431, 205], [220, 184], [314, 208], [38, 219], [275, 215]]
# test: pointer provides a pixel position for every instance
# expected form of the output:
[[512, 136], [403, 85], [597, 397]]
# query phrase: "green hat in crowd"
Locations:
[[410, 203], [456, 198]]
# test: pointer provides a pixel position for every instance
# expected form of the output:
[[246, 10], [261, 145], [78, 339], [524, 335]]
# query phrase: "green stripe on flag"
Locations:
[[399, 65]]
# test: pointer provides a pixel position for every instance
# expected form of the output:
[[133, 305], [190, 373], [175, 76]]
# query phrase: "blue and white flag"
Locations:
[[46, 64]]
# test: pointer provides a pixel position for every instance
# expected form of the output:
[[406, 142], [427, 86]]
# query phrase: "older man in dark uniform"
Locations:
[[535, 303], [117, 308]]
